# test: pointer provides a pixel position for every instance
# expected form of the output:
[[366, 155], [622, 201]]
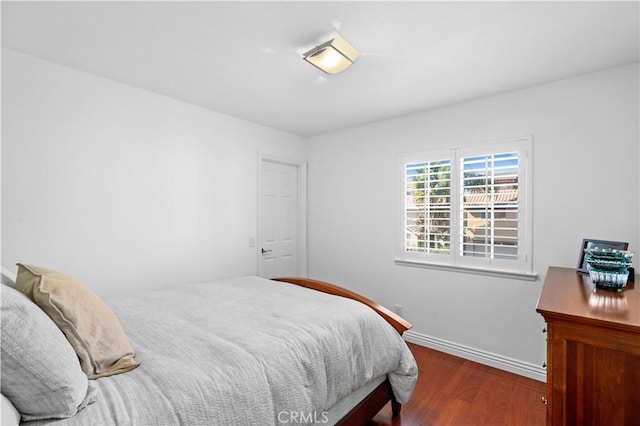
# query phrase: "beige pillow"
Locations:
[[90, 326]]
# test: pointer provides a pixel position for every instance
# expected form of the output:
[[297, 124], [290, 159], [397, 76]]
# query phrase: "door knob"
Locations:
[[265, 251]]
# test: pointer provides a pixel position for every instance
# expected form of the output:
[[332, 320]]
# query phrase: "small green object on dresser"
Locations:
[[608, 268]]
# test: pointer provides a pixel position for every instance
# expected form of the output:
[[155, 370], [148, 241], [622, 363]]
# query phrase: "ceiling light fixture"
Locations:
[[333, 56]]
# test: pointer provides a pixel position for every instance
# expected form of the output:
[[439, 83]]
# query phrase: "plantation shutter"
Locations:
[[468, 208], [427, 212], [489, 206]]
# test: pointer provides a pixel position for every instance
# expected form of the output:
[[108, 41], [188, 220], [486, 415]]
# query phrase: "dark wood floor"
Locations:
[[455, 391]]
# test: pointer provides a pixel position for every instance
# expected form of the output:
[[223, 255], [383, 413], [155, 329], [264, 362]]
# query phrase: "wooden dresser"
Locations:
[[593, 351]]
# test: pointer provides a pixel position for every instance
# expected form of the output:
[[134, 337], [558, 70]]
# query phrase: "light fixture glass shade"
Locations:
[[333, 56]]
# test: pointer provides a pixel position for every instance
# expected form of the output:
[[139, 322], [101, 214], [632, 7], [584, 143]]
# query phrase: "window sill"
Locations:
[[525, 276]]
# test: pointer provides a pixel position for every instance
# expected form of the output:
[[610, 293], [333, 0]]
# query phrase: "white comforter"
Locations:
[[245, 351]]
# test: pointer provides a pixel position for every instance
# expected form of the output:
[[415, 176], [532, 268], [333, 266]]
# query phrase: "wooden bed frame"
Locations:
[[380, 396]]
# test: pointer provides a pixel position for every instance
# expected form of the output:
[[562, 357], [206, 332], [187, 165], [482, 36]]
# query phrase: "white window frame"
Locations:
[[454, 261]]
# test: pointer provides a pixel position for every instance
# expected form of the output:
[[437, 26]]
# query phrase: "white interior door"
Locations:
[[278, 249]]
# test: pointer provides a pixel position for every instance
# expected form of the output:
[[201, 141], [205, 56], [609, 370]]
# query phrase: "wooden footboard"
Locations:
[[380, 396], [400, 324]]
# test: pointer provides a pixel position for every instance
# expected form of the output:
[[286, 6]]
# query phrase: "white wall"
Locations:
[[585, 149], [122, 188]]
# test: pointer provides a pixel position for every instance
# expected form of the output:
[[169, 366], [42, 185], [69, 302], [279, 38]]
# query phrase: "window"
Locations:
[[428, 206], [468, 208]]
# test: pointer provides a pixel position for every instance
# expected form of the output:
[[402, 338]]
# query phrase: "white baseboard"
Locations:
[[511, 365]]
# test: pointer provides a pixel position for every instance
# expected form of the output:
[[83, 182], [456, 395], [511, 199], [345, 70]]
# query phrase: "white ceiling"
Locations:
[[243, 58]]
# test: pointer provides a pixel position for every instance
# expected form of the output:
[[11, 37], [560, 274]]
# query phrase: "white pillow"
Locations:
[[9, 416], [41, 373], [7, 277]]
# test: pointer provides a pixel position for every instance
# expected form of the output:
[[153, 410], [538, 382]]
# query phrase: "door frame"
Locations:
[[301, 166]]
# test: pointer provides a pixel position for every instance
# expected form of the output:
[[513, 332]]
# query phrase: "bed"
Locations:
[[244, 351]]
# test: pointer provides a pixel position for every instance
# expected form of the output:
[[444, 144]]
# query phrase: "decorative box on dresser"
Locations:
[[593, 351]]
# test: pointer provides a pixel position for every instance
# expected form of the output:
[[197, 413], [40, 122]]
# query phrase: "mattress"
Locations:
[[247, 351]]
